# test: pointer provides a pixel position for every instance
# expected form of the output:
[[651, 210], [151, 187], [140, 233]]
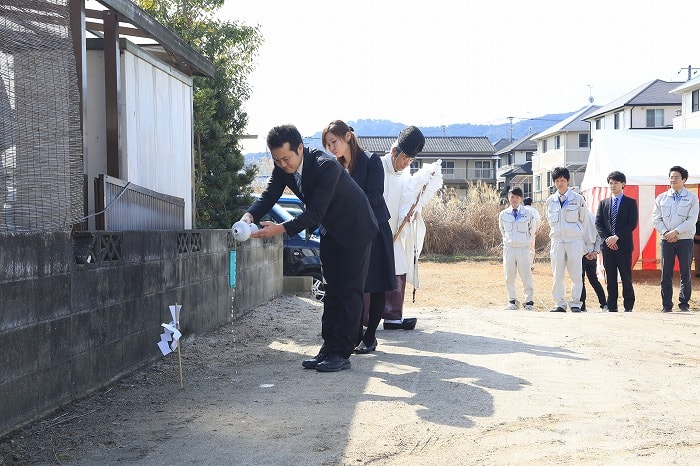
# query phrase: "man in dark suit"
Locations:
[[616, 219], [340, 208]]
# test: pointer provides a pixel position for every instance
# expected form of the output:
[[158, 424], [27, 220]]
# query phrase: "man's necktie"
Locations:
[[613, 215], [562, 199], [515, 213], [297, 177]]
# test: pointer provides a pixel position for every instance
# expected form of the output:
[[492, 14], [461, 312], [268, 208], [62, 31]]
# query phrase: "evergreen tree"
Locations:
[[222, 183]]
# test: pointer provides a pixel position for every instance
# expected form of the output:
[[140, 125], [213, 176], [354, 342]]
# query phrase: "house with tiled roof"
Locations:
[[650, 106], [566, 144], [464, 159], [689, 115], [515, 165]]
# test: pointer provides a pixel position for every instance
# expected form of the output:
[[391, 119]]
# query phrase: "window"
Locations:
[[655, 118], [528, 156], [695, 95], [482, 169], [549, 179], [583, 140], [598, 123], [538, 183], [616, 125], [448, 168], [415, 166], [544, 146], [557, 142], [510, 158]]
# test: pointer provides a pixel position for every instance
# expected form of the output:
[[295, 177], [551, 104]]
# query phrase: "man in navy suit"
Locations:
[[616, 219], [340, 208]]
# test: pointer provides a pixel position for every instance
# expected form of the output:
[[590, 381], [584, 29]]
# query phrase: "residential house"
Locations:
[[515, 165], [464, 159], [650, 106], [689, 115], [117, 117], [566, 144]]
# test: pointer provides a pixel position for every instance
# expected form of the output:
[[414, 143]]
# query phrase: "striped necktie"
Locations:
[[297, 177], [613, 215]]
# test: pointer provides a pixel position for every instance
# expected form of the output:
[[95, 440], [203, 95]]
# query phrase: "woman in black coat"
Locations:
[[367, 171]]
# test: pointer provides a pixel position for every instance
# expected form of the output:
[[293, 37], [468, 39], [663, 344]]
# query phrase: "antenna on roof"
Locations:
[[590, 96]]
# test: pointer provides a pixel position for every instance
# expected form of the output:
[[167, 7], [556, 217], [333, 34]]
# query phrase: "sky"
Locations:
[[446, 62]]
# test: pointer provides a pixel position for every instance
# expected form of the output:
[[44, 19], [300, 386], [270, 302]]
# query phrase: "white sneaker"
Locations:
[[512, 305], [527, 307]]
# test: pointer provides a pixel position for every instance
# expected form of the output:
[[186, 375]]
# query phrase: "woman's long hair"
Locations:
[[339, 128]]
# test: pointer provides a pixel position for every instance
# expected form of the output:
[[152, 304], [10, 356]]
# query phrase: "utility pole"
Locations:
[[690, 69], [511, 128]]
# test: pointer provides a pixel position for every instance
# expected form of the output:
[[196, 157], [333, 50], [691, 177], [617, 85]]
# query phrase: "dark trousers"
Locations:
[[620, 262], [345, 271], [683, 250], [589, 267]]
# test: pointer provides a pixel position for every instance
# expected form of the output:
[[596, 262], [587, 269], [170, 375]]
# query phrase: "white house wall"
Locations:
[[688, 119], [156, 128]]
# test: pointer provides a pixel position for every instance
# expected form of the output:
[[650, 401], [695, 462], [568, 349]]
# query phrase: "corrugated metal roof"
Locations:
[[433, 144], [573, 123], [655, 92]]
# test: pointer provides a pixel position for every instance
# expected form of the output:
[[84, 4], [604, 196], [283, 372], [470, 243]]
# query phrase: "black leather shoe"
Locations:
[[333, 363], [558, 309], [407, 324], [684, 307], [364, 349], [315, 361], [575, 309], [666, 309]]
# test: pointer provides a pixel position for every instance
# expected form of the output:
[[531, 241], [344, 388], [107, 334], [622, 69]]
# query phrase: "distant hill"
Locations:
[[389, 128]]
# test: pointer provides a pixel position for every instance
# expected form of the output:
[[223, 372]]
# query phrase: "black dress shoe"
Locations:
[[406, 324], [558, 309], [364, 349], [333, 363], [315, 361]]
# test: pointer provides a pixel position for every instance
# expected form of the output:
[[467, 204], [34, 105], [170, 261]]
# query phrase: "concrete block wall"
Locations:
[[81, 310]]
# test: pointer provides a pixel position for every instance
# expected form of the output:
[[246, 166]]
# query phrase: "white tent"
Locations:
[[645, 157]]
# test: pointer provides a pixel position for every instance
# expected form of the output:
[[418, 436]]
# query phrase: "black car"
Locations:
[[301, 255]]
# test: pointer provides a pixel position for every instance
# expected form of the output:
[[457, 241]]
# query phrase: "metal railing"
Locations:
[[123, 206]]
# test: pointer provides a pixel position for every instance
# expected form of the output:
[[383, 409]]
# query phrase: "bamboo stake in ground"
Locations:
[[179, 355]]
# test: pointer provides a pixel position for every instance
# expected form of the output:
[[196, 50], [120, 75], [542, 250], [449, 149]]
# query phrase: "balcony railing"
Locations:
[[124, 206]]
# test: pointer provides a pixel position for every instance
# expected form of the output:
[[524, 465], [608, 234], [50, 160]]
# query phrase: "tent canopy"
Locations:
[[644, 156]]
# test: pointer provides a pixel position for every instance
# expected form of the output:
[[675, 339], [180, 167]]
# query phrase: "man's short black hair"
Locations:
[[681, 170], [527, 201], [284, 133], [560, 172], [617, 176], [516, 192]]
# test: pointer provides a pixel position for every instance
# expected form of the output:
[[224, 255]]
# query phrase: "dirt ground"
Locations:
[[473, 384]]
